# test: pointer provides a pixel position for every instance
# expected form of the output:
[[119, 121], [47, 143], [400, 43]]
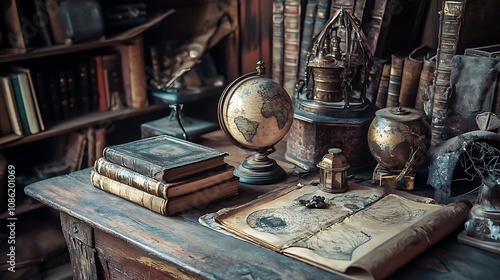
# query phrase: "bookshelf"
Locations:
[[84, 121], [28, 151]]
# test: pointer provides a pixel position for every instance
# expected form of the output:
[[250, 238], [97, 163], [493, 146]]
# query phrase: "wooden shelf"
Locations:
[[62, 49], [96, 118]]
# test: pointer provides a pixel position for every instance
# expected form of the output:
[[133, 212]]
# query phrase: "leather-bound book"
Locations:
[[425, 81], [395, 77], [134, 73], [112, 70], [374, 79], [5, 126], [277, 41], [165, 158], [383, 85], [291, 45], [11, 27], [411, 76], [463, 24], [101, 84], [307, 36], [90, 134], [161, 205], [373, 25], [157, 188], [322, 15]]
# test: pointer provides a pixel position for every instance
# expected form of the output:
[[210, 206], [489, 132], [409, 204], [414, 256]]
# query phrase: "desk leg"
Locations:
[[80, 241]]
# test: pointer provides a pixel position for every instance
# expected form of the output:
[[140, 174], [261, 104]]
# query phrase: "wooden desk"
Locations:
[[110, 238]]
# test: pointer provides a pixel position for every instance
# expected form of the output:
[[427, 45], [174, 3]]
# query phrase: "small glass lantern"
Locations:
[[333, 171]]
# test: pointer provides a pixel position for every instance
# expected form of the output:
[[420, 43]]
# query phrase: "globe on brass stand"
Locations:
[[255, 113]]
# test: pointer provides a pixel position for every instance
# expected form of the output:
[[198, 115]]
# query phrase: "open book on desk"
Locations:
[[364, 233]]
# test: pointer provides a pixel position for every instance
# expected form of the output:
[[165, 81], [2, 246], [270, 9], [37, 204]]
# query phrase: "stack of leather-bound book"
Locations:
[[165, 174]]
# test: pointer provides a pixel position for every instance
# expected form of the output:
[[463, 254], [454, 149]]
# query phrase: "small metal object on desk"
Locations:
[[316, 202]]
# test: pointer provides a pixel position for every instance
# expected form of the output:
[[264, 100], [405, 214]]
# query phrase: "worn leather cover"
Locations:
[[473, 83]]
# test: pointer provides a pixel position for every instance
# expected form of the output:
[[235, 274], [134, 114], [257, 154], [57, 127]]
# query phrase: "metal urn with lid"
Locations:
[[333, 171], [396, 139]]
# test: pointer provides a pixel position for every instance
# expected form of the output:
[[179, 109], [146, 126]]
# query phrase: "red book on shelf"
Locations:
[[101, 84]]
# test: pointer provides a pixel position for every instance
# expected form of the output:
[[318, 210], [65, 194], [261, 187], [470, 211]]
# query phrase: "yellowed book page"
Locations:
[[364, 233], [381, 238], [279, 220]]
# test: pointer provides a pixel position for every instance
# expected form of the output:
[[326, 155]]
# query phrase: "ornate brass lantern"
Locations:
[[333, 171], [331, 108]]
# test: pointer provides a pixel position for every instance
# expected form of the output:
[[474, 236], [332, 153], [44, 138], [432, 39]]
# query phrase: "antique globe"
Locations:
[[255, 113]]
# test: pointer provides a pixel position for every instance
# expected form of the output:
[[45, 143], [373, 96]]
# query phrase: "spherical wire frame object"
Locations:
[[257, 169]]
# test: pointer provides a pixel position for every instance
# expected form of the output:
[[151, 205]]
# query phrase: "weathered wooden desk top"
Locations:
[[179, 245]]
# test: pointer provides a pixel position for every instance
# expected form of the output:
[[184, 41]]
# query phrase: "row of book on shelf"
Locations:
[[30, 24], [165, 174], [296, 23], [34, 98], [402, 74]]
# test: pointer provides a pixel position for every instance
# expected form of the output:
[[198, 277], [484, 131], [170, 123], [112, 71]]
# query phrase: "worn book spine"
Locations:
[[101, 142], [14, 33], [277, 41], [449, 29], [113, 81], [322, 16], [53, 8], [425, 81], [395, 77], [374, 79], [307, 36], [484, 51], [5, 126], [42, 23], [10, 102], [383, 85], [151, 202], [134, 73], [373, 25], [131, 178], [90, 134], [409, 82], [101, 84], [291, 45]]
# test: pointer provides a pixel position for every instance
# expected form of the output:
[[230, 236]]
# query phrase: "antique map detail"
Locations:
[[364, 233]]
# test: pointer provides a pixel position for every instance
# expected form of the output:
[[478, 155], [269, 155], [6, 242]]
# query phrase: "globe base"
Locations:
[[259, 170]]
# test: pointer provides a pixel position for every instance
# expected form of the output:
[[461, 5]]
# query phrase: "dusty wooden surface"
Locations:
[[133, 242]]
